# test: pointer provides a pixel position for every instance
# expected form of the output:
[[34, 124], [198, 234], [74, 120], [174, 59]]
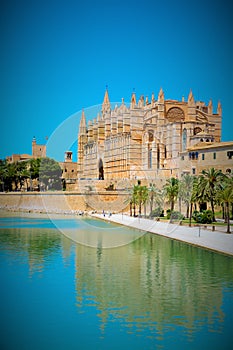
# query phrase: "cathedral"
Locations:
[[146, 138]]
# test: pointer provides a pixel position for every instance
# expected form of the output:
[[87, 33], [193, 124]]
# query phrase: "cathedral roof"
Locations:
[[209, 145]]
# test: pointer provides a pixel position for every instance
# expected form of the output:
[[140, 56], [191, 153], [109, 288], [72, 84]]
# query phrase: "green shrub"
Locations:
[[157, 212], [176, 215], [203, 217]]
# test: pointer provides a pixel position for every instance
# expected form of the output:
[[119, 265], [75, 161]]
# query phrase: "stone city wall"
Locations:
[[62, 202]]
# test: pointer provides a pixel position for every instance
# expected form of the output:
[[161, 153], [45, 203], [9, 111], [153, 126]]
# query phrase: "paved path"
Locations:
[[215, 240]]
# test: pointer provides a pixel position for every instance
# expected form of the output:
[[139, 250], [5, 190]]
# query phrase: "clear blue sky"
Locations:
[[57, 57]]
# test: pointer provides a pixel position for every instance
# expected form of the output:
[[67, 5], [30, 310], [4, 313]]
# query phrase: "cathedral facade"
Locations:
[[144, 139]]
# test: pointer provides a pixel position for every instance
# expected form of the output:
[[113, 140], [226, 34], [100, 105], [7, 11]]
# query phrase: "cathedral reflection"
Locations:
[[149, 283]]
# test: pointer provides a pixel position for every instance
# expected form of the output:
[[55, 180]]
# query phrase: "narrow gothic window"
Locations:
[[150, 159], [158, 157], [184, 140]]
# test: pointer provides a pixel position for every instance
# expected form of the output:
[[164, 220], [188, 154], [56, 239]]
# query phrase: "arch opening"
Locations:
[[101, 170]]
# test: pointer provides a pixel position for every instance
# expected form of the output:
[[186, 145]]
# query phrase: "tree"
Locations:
[[50, 173], [143, 197], [34, 170], [139, 196], [225, 197], [194, 198], [185, 191], [3, 174], [209, 184], [171, 189], [133, 200], [24, 175], [155, 196]]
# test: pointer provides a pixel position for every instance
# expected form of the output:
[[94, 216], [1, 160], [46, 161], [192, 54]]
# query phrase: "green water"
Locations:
[[153, 293]]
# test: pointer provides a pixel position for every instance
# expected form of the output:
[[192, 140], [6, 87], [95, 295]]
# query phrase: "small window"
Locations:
[[228, 171], [182, 158], [203, 157], [230, 154], [214, 155], [72, 170], [193, 171]]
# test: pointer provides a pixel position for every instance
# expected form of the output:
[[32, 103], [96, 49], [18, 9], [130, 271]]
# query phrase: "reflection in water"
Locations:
[[155, 283], [155, 288], [35, 246]]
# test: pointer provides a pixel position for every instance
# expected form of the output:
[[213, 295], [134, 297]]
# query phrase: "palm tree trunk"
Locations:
[[191, 212], [187, 211], [172, 205], [228, 217], [140, 208], [212, 208], [130, 208], [223, 211], [151, 206]]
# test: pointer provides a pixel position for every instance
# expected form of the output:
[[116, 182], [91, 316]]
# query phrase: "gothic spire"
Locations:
[[161, 96], [219, 108], [133, 100], [210, 107], [152, 98], [82, 125], [106, 102], [191, 98]]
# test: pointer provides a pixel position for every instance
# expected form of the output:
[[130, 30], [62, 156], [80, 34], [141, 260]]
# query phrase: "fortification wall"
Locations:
[[61, 202]]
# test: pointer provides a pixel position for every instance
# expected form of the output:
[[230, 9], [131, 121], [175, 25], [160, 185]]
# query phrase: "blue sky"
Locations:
[[57, 57]]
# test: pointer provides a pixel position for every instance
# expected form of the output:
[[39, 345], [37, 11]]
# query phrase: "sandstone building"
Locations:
[[149, 139], [38, 151]]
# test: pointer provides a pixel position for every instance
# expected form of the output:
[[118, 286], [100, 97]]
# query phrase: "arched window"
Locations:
[[151, 136], [184, 140]]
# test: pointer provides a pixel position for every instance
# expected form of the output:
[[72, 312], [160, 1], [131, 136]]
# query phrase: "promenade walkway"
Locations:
[[217, 240]]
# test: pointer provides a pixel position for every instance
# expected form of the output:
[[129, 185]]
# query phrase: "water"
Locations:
[[153, 293]]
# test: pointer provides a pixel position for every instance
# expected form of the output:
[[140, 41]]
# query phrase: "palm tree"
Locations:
[[3, 173], [225, 197], [144, 193], [171, 189], [209, 184], [185, 191], [155, 196], [133, 200]]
